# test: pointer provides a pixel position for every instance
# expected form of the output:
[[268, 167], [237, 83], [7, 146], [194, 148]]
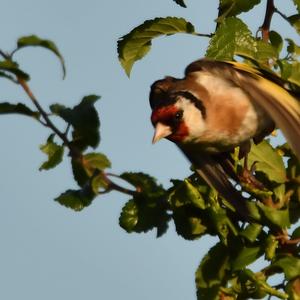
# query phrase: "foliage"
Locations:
[[195, 208]]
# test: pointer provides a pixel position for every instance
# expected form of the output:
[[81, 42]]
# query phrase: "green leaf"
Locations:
[[270, 247], [95, 161], [143, 182], [19, 108], [290, 265], [296, 233], [234, 38], [75, 199], [136, 44], [290, 71], [33, 40], [229, 8], [188, 223], [84, 120], [252, 231], [180, 2], [87, 169], [211, 273], [143, 213], [295, 22], [292, 47], [268, 161], [129, 216], [13, 68], [278, 217], [276, 41], [246, 256], [186, 193], [54, 152], [297, 3]]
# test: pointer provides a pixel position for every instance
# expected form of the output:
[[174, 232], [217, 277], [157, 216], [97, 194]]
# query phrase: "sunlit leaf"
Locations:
[[278, 217], [95, 161], [290, 265], [268, 161], [129, 216], [136, 44], [297, 3], [246, 256], [33, 40], [271, 245], [229, 8], [54, 152], [234, 38], [252, 231]]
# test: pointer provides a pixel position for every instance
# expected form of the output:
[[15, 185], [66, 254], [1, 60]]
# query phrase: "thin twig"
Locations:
[[4, 55], [114, 186], [48, 122]]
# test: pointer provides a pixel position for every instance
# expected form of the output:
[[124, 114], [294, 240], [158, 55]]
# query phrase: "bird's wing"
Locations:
[[212, 172], [282, 107], [276, 101]]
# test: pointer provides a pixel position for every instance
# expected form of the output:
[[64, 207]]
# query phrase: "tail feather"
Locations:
[[214, 175]]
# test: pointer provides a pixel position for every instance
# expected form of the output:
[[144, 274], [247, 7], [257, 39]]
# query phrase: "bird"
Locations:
[[217, 106]]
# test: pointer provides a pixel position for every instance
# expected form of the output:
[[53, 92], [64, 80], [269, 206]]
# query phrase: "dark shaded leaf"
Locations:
[[188, 222], [180, 2], [297, 3], [295, 22], [33, 40], [13, 68], [19, 108], [84, 120], [75, 199], [211, 273], [54, 152], [276, 41], [136, 44], [143, 182]]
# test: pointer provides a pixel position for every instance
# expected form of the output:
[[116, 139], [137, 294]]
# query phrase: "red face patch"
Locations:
[[167, 115]]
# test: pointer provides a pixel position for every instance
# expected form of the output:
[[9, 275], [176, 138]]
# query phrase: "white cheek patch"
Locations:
[[193, 119]]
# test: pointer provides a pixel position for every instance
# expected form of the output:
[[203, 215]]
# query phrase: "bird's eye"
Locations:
[[178, 116]]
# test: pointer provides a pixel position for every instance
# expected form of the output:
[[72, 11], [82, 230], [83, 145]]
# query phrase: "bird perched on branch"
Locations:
[[218, 106]]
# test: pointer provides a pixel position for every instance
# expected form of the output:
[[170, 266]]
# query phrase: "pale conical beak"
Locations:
[[161, 131]]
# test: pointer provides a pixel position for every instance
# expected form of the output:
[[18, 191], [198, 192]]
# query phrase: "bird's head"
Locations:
[[177, 114]]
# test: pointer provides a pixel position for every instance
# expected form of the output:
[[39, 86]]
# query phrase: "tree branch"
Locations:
[[265, 27]]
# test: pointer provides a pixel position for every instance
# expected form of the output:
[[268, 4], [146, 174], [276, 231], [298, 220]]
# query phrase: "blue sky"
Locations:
[[48, 251]]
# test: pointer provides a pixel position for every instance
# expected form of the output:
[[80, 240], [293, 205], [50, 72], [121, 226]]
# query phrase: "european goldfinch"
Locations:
[[218, 106]]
